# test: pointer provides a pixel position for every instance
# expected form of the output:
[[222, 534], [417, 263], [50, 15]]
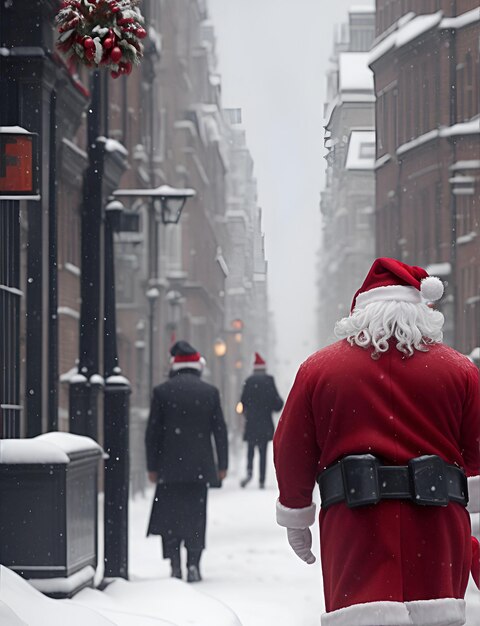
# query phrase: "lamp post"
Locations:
[[220, 350], [166, 203], [174, 299], [116, 417], [152, 297]]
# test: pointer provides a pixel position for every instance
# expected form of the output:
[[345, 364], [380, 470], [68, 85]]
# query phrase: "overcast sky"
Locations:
[[273, 55]]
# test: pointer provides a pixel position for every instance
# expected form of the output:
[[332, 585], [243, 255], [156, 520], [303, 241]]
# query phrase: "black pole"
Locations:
[[84, 393], [116, 424], [52, 417]]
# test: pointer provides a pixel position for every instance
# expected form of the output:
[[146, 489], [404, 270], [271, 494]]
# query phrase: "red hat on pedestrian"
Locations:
[[389, 279], [185, 355], [259, 363]]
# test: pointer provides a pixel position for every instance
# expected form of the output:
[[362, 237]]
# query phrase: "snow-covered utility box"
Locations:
[[48, 510]]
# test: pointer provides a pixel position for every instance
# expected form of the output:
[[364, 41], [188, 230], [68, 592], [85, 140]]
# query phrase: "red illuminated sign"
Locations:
[[17, 163]]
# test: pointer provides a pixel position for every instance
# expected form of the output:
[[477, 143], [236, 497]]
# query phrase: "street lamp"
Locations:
[[168, 203], [220, 347]]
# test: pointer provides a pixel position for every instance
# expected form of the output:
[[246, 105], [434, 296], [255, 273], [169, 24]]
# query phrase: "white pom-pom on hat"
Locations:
[[431, 288]]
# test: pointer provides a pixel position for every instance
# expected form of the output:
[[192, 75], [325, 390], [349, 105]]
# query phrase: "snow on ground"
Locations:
[[251, 576], [248, 564]]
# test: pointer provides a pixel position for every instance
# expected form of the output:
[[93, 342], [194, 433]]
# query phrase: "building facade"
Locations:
[[425, 59], [163, 124], [347, 201]]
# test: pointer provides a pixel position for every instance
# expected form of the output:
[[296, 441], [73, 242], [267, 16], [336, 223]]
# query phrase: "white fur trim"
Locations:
[[473, 494], [369, 614], [431, 288], [442, 612], [194, 365], [390, 292], [295, 518]]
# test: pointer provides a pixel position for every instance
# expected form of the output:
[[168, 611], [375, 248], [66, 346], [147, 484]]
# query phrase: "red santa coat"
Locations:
[[397, 408]]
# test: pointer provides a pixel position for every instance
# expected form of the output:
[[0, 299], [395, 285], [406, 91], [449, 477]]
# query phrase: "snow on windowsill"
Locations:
[[472, 127], [466, 238], [418, 141], [470, 17], [112, 145]]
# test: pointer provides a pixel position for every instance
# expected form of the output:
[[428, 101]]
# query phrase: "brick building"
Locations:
[[164, 124], [426, 64]]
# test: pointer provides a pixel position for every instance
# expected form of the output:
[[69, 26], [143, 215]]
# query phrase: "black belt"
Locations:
[[359, 480]]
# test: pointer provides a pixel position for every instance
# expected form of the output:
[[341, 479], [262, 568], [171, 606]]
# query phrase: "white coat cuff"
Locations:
[[295, 518]]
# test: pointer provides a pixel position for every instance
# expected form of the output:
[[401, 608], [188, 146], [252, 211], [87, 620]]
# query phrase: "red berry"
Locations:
[[114, 74], [126, 67], [116, 54], [88, 43], [108, 43], [141, 33]]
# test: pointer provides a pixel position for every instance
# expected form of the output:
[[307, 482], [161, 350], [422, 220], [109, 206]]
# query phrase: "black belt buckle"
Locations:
[[429, 480], [360, 480]]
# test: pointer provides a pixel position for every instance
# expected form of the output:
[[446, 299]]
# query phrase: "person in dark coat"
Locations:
[[259, 398], [184, 415]]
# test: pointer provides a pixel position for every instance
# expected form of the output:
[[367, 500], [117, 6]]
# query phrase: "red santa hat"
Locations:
[[259, 363], [389, 279], [184, 355]]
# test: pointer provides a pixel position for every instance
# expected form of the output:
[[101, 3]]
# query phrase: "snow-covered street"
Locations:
[[248, 564], [250, 575]]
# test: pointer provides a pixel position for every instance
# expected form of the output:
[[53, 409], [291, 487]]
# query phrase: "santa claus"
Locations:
[[387, 420]]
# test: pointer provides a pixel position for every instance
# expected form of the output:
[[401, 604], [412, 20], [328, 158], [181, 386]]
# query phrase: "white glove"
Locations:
[[300, 540]]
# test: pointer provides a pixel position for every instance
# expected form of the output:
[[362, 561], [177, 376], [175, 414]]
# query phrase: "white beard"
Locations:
[[414, 326]]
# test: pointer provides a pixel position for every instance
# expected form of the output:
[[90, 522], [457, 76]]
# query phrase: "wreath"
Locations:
[[104, 33]]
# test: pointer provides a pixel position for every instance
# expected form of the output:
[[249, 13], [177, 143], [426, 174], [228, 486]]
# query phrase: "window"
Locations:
[[386, 139], [469, 86], [426, 104], [461, 92]]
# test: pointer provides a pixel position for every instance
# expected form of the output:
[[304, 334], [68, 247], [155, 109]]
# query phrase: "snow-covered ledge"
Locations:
[[64, 586], [53, 447]]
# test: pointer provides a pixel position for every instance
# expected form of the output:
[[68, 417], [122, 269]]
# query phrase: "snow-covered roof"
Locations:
[[354, 73], [406, 31], [361, 150]]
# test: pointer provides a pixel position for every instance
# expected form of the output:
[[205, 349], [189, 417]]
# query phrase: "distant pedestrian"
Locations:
[[184, 414], [259, 398], [387, 421]]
